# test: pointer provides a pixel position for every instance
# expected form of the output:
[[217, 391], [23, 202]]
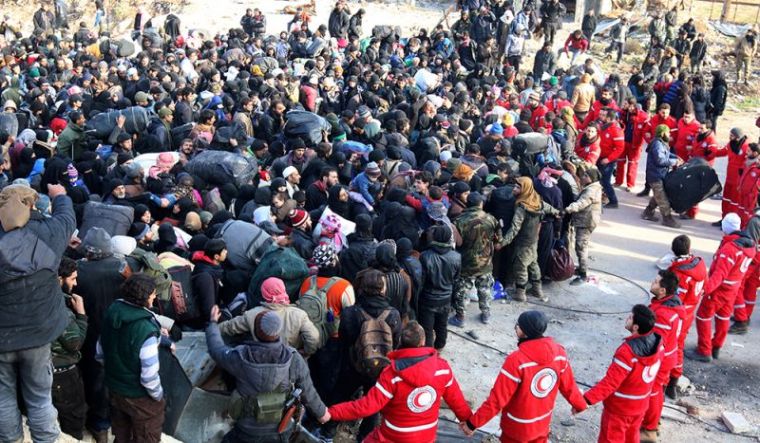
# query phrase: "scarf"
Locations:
[[528, 197]]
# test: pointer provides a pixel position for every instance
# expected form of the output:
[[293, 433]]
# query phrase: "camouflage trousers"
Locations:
[[482, 283]]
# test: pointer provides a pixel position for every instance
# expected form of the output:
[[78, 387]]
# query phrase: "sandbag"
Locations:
[[283, 263], [220, 168], [306, 125], [114, 219], [9, 123], [691, 183], [124, 47], [102, 124], [425, 80]]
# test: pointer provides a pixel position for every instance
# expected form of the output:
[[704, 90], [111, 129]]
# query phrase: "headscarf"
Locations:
[[330, 226], [528, 197], [14, 206]]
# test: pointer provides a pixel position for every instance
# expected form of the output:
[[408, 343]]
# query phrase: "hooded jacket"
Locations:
[[408, 393], [34, 313], [587, 209], [731, 261], [526, 388], [692, 273], [669, 317], [626, 387], [262, 368]]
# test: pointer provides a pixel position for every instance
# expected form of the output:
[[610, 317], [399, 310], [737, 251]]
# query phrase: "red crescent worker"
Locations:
[[669, 314], [729, 265], [736, 150], [684, 146], [626, 387], [692, 273], [408, 393], [526, 388], [746, 298], [637, 132], [749, 184]]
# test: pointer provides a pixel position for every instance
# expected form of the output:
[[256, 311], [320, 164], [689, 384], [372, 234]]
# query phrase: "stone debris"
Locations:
[[735, 422]]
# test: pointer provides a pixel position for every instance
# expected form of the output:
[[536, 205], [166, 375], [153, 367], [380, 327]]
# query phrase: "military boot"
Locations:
[[537, 291], [671, 390], [670, 222], [647, 436], [739, 328], [649, 214], [519, 294]]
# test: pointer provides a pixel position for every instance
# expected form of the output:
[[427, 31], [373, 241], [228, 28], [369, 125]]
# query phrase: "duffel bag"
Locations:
[[691, 183], [114, 219], [136, 121]]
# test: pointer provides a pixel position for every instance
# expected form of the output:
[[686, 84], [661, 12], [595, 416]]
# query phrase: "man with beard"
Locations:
[[317, 193], [68, 390], [745, 50], [659, 161], [271, 122], [116, 193]]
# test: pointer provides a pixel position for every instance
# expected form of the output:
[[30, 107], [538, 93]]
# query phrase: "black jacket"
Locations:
[[718, 95], [96, 284], [544, 62], [360, 252], [338, 23], [588, 25], [440, 269]]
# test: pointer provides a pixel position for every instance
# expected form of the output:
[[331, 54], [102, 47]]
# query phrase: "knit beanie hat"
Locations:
[[122, 245], [737, 132], [273, 291], [325, 255], [298, 217], [661, 130], [267, 326], [372, 169], [363, 223], [72, 172], [206, 217], [532, 323], [97, 242], [442, 234], [731, 223]]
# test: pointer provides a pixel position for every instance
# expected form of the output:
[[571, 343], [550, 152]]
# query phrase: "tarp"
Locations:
[[729, 29]]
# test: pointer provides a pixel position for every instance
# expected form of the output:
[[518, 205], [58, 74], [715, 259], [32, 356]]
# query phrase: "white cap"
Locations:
[[731, 223], [288, 171]]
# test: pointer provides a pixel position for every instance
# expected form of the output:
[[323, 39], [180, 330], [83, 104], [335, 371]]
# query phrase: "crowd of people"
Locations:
[[323, 201]]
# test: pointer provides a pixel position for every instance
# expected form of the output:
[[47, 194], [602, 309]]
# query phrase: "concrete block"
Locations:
[[736, 422], [683, 384]]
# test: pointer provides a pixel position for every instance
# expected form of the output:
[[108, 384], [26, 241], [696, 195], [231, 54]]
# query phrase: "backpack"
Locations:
[[314, 303], [373, 344], [181, 304], [147, 263], [283, 263]]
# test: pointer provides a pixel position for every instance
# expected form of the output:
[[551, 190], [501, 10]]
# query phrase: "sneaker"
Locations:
[[694, 355], [485, 317], [715, 353], [577, 281], [456, 321], [611, 206], [739, 328]]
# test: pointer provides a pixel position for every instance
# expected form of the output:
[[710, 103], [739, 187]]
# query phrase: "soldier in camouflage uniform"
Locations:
[[68, 390], [529, 209], [480, 234]]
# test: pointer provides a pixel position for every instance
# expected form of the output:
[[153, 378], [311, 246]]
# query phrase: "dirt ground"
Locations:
[[623, 245]]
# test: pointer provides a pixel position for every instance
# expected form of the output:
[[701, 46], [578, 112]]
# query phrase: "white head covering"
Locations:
[[731, 223]]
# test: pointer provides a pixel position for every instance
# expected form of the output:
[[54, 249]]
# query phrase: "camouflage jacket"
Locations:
[[480, 232], [65, 349]]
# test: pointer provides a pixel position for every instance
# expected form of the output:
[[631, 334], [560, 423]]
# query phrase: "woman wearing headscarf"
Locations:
[[546, 186], [400, 221], [409, 260], [398, 283], [529, 209]]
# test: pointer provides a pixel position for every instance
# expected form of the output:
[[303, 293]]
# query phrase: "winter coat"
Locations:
[[358, 255], [588, 25], [261, 368], [408, 393], [297, 329], [440, 269], [698, 51], [586, 210], [525, 404], [34, 313], [659, 160], [745, 49], [480, 232], [630, 377], [700, 98], [718, 96], [338, 23], [95, 283], [544, 62], [692, 273], [70, 142]]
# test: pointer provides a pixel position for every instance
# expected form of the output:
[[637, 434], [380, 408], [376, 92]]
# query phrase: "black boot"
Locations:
[[671, 391]]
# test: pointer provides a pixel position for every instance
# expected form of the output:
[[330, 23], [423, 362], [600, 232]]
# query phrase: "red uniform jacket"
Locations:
[[576, 43], [670, 122], [749, 185], [626, 387], [556, 104], [669, 315], [692, 273], [537, 117], [686, 136], [706, 147], [735, 160], [641, 127], [611, 141], [729, 264], [589, 153], [596, 109], [526, 388], [408, 393]]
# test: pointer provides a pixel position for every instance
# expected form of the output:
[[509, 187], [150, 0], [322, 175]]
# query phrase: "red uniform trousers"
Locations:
[[745, 299], [731, 192], [687, 321], [505, 439], [657, 397], [631, 158], [619, 428], [719, 305]]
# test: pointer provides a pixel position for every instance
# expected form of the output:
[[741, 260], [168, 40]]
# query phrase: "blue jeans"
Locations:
[[33, 369], [608, 173]]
